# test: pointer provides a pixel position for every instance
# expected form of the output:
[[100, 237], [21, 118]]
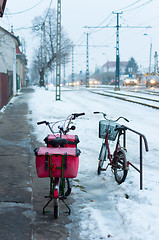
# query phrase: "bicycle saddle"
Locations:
[[120, 128], [57, 142]]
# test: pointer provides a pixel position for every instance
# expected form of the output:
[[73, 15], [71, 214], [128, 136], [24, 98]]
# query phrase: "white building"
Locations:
[[8, 44], [12, 66]]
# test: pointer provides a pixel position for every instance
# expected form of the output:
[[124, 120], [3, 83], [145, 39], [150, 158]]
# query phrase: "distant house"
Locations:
[[21, 63], [110, 66], [10, 66]]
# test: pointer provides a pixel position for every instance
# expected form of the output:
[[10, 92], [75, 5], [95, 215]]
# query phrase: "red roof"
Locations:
[[18, 51]]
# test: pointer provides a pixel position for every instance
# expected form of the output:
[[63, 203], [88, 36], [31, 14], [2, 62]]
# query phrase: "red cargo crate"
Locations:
[[57, 162], [72, 140]]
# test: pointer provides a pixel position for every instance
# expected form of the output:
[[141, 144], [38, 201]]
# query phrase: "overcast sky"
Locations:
[[76, 14]]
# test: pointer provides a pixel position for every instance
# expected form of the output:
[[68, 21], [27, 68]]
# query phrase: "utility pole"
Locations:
[[87, 64], [87, 57], [117, 76], [58, 52], [64, 72], [156, 63], [45, 54], [73, 75], [117, 86]]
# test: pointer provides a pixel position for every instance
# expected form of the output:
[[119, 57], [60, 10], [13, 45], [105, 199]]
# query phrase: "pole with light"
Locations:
[[145, 34]]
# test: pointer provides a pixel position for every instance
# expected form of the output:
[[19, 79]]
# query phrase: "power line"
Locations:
[[139, 6], [91, 45], [117, 44], [93, 31], [39, 25], [129, 5], [25, 10], [48, 11], [21, 28]]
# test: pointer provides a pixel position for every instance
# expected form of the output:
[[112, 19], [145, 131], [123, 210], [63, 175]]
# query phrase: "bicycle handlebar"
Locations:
[[104, 115], [63, 130], [43, 122], [75, 115]]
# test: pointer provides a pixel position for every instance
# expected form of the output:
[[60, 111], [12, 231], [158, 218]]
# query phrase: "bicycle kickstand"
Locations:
[[51, 198], [69, 209], [104, 169]]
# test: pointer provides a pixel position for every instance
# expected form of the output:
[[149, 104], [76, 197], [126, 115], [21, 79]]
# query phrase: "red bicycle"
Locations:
[[59, 161], [109, 130]]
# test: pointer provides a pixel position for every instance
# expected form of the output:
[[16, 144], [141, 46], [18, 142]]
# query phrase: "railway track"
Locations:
[[145, 92], [133, 98]]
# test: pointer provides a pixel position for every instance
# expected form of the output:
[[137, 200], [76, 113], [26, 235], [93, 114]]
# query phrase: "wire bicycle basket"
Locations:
[[105, 127]]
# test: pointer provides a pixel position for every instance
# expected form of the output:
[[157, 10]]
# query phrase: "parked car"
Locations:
[[130, 81], [152, 81]]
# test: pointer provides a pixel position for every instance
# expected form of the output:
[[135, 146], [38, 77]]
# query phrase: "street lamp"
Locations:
[[145, 34]]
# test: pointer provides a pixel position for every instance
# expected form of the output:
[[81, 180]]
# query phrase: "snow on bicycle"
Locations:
[[109, 130]]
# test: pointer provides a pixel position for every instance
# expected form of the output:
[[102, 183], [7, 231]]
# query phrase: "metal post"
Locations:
[[117, 54], [145, 34], [73, 75], [141, 163], [45, 54], [156, 63], [58, 52], [117, 78], [150, 57], [64, 72], [87, 64]]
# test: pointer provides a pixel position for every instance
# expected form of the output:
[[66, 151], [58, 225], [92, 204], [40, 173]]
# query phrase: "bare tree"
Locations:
[[45, 54]]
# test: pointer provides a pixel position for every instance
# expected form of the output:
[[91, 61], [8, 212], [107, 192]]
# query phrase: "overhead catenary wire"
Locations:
[[129, 5], [39, 25], [24, 10], [138, 6], [47, 12]]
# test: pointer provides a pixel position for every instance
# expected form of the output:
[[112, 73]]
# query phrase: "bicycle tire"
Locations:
[[120, 166], [67, 187], [100, 165], [102, 157], [56, 211]]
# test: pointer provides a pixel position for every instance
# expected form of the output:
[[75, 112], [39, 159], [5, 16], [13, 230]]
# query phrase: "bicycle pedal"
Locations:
[[48, 196], [103, 169]]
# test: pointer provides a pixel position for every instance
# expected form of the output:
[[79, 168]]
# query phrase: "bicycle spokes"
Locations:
[[120, 166]]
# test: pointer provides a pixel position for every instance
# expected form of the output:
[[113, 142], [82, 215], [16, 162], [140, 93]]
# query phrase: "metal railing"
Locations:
[[141, 139]]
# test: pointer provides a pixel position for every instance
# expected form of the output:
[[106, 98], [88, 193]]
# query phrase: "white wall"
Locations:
[[7, 50]]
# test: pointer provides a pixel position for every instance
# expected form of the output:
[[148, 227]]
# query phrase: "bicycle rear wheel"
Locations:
[[56, 192], [65, 187], [56, 208], [120, 166]]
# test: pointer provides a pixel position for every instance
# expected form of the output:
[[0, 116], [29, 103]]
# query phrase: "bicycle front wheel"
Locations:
[[102, 157], [100, 165], [120, 166]]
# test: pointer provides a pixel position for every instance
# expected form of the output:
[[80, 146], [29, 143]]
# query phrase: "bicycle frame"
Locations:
[[106, 141]]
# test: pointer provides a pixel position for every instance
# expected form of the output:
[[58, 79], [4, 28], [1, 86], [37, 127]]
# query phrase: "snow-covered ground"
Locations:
[[103, 209]]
